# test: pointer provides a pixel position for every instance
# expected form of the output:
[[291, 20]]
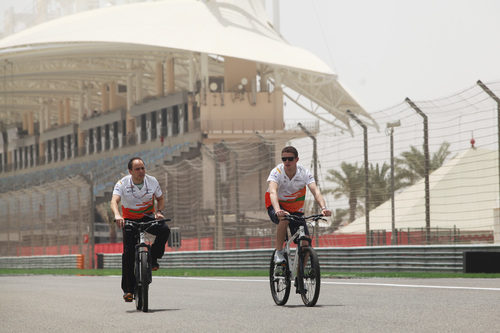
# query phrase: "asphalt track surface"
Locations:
[[93, 304]]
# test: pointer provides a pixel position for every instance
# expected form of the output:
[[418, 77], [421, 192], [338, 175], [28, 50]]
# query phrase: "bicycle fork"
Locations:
[[143, 247]]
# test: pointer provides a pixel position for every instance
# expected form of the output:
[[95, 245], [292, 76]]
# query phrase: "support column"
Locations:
[[60, 118], [170, 76], [204, 78], [67, 111], [105, 98], [31, 123], [113, 102], [138, 87], [81, 143], [25, 121], [159, 79], [169, 121], [190, 113], [191, 78], [182, 110], [81, 103], [41, 144]]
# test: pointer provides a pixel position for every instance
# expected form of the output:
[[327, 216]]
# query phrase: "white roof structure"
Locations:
[[54, 58], [463, 194]]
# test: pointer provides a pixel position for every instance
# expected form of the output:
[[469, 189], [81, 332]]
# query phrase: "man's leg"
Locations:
[[281, 227], [281, 233], [162, 232], [128, 260]]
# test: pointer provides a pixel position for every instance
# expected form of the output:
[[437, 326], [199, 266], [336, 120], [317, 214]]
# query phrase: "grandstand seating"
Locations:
[[103, 171]]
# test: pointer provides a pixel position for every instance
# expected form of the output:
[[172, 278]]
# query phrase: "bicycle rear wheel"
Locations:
[[309, 276], [279, 282], [145, 279]]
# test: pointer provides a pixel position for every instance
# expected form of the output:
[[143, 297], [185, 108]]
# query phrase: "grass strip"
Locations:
[[236, 272]]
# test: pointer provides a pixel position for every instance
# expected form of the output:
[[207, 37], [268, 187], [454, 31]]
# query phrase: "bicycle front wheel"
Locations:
[[309, 276], [279, 279], [138, 285], [145, 280]]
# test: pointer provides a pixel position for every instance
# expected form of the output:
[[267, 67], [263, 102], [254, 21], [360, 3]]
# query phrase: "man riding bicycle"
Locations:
[[137, 193], [286, 195]]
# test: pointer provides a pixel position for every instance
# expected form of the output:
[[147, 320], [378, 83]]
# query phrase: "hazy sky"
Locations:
[[386, 50]]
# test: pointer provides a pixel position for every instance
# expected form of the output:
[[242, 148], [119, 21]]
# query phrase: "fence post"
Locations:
[[497, 100], [426, 170], [367, 185]]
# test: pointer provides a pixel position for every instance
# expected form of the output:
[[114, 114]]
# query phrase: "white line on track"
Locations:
[[333, 283]]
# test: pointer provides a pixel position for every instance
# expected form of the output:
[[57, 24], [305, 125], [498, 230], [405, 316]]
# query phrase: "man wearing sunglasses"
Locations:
[[137, 193], [286, 195]]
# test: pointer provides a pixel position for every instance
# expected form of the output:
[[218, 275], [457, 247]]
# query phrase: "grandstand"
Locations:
[[83, 93]]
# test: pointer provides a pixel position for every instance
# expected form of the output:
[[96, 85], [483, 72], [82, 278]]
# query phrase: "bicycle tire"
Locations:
[[280, 285], [309, 276], [138, 289], [138, 297], [145, 280]]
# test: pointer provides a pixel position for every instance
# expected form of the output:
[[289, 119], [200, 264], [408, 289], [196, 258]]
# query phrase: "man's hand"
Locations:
[[326, 212], [159, 215], [120, 222], [281, 213]]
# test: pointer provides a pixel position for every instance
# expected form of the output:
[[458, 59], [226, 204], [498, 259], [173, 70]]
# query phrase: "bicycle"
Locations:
[[305, 271], [143, 264]]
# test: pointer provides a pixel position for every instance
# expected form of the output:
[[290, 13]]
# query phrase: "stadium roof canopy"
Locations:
[[73, 55]]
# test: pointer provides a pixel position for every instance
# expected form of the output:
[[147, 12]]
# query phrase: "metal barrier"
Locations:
[[431, 258], [62, 261], [435, 258]]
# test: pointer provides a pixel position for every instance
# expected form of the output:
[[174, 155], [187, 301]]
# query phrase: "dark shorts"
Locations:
[[292, 225]]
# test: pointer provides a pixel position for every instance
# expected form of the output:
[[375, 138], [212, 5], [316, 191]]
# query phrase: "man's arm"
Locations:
[[273, 193], [159, 207], [115, 201], [319, 199]]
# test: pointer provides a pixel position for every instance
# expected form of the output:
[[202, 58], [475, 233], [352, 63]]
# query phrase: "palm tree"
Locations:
[[338, 217], [349, 183], [410, 167], [380, 184]]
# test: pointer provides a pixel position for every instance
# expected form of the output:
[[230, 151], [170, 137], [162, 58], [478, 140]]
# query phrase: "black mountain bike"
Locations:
[[303, 269], [142, 268]]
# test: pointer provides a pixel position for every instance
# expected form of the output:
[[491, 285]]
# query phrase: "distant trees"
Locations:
[[410, 166], [349, 181]]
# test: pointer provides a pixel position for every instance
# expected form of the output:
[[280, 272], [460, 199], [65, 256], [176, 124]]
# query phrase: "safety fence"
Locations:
[[216, 196], [50, 219]]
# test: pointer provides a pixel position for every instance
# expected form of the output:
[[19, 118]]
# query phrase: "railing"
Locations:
[[65, 261], [431, 258], [437, 258]]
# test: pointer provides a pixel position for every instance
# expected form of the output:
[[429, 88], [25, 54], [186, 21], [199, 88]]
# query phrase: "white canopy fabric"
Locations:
[[223, 28], [207, 27], [463, 194]]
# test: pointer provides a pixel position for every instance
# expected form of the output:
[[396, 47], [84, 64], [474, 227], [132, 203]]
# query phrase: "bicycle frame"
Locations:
[[293, 262], [142, 247]]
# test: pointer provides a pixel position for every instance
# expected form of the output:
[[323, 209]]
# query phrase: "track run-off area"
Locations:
[[49, 303]]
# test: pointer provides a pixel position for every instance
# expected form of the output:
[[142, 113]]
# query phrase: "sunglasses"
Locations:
[[290, 159]]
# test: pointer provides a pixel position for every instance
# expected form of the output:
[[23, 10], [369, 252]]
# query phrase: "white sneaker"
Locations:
[[279, 258]]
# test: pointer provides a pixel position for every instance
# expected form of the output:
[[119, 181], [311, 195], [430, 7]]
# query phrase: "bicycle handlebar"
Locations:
[[145, 224], [315, 217]]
